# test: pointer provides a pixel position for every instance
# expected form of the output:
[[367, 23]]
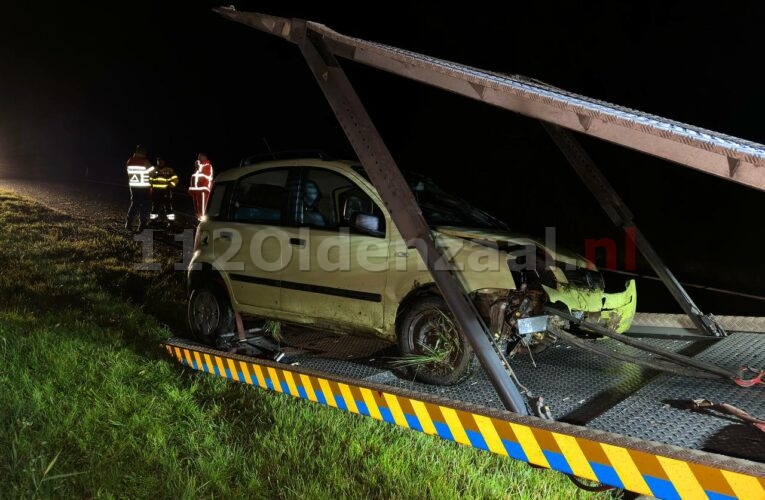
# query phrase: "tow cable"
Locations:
[[666, 361]]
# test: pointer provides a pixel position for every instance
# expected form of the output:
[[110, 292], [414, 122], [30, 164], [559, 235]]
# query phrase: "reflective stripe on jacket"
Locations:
[[138, 170], [202, 179], [164, 178]]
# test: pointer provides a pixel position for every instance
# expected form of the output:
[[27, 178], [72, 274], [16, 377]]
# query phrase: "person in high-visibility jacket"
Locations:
[[163, 180], [139, 169], [201, 184]]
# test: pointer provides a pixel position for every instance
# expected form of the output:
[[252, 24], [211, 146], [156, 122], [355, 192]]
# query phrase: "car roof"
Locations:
[[237, 172]]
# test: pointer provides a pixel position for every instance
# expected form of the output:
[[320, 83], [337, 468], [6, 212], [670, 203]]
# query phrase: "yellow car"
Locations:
[[309, 241]]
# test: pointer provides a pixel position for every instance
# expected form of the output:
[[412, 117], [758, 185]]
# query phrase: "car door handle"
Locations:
[[297, 241], [226, 235]]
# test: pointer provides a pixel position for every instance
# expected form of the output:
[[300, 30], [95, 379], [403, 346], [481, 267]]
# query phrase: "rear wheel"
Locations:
[[432, 346], [210, 314]]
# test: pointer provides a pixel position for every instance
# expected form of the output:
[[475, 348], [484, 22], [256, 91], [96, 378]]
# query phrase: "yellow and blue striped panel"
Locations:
[[633, 470]]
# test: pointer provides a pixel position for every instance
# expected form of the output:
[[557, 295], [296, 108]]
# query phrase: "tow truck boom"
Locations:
[[718, 154]]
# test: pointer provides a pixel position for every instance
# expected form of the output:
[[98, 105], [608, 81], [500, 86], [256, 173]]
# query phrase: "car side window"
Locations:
[[261, 198], [331, 200], [217, 204]]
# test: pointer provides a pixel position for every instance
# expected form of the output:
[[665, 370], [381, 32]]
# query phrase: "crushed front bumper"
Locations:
[[611, 310]]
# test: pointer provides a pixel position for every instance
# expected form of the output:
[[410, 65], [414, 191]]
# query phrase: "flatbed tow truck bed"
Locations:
[[614, 422]]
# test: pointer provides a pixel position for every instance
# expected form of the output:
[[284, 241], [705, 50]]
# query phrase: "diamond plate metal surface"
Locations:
[[583, 388], [656, 411], [575, 383]]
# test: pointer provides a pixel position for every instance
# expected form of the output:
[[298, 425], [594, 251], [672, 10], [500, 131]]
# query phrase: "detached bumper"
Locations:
[[611, 310]]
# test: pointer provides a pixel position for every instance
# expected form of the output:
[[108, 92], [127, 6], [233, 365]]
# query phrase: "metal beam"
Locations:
[[397, 196], [617, 210], [711, 152], [405, 212]]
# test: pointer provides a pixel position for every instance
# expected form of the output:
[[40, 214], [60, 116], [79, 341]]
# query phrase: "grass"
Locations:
[[437, 357], [274, 329], [429, 356], [91, 407]]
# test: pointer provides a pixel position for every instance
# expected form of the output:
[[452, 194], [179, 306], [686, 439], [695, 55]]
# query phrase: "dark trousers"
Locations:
[[139, 204], [162, 204]]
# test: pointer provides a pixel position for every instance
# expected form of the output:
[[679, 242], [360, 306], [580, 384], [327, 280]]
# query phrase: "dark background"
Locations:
[[82, 84]]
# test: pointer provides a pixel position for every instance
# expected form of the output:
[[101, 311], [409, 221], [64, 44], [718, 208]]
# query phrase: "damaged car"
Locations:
[[308, 241]]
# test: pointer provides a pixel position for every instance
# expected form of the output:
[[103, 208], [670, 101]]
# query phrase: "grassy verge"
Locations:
[[91, 407]]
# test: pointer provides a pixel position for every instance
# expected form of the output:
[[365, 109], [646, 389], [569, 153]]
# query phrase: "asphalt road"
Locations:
[[105, 204]]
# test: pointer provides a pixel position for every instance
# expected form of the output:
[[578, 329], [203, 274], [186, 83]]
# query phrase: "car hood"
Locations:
[[506, 240]]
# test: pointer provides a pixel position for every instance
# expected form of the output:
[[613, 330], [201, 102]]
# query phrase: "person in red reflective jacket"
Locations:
[[139, 170], [201, 184]]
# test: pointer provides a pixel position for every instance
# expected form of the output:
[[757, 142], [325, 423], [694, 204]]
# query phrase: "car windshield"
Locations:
[[441, 208]]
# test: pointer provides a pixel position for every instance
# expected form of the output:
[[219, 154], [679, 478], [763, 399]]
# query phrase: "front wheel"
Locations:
[[433, 348], [210, 314]]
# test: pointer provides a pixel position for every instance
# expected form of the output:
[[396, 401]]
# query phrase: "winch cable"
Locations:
[[655, 364], [669, 361]]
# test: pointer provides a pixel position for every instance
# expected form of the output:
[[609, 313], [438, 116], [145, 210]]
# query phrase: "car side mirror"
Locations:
[[367, 223]]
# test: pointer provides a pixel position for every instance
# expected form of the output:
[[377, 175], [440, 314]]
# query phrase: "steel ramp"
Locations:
[[616, 423], [585, 389], [712, 152]]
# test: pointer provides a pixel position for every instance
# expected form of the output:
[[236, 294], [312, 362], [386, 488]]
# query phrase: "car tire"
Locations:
[[210, 314], [425, 328]]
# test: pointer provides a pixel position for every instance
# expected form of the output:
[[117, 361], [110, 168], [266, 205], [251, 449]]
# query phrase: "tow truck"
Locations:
[[669, 409]]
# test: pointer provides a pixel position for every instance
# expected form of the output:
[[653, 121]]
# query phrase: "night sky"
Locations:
[[82, 84]]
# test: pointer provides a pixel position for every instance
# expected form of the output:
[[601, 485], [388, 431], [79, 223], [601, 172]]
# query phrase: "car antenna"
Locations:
[[268, 146]]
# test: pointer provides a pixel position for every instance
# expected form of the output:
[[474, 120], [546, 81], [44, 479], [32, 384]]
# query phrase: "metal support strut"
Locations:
[[617, 210], [397, 195]]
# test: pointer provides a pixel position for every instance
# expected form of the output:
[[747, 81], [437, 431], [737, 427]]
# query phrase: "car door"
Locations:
[[251, 247], [338, 269]]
